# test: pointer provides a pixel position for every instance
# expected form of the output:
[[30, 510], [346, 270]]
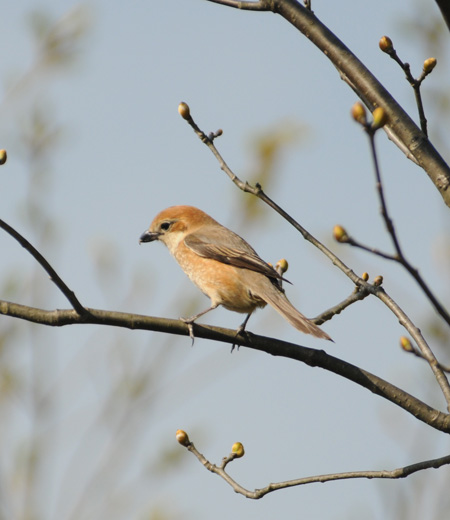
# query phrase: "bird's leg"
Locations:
[[240, 330], [189, 321]]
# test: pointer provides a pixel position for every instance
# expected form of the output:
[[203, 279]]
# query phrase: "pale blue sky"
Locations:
[[126, 154]]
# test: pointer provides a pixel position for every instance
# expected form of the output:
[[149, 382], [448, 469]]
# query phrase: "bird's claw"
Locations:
[[240, 331], [190, 325]]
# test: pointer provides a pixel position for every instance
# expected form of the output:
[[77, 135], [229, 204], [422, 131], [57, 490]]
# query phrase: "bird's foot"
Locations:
[[239, 332], [190, 323]]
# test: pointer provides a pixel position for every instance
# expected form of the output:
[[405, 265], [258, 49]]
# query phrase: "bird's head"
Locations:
[[171, 225]]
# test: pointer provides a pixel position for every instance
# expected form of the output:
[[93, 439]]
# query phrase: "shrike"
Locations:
[[223, 266]]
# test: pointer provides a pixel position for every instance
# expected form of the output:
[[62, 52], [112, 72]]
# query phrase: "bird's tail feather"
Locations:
[[283, 306]]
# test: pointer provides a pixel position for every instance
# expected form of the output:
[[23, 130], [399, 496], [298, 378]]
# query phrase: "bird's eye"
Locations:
[[165, 226]]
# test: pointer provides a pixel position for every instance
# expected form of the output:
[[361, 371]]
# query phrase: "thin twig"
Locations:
[[397, 473], [54, 277], [415, 84], [420, 341], [417, 353], [356, 296], [260, 5]]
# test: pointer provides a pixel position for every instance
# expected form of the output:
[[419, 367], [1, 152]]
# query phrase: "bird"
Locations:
[[224, 267]]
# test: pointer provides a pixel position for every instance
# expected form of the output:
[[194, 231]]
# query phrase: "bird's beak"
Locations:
[[148, 236]]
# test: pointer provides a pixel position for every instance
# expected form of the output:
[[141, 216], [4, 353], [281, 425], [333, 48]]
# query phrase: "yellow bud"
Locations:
[[365, 276], [340, 235], [3, 156], [378, 280], [282, 266], [429, 64], [182, 438], [359, 113], [184, 111], [379, 118], [406, 344], [238, 450], [385, 44]]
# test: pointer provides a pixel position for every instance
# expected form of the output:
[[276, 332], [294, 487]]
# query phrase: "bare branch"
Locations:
[[398, 473], [387, 47], [400, 257], [444, 6], [420, 341], [54, 277], [356, 296], [401, 127], [412, 350], [311, 357], [259, 5]]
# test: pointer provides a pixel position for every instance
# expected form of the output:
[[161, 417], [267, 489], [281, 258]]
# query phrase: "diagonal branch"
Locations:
[[54, 277], [444, 6], [389, 223], [400, 127]]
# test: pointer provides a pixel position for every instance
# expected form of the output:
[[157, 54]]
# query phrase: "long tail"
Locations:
[[283, 306]]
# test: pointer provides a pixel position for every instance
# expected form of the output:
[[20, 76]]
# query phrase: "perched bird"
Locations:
[[223, 266]]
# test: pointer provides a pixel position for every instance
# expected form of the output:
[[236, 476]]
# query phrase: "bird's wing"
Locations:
[[229, 249]]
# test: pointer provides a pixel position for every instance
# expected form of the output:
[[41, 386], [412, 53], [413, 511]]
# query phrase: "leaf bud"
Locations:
[[184, 111], [379, 118], [340, 235], [385, 44], [365, 276], [3, 156], [406, 344], [429, 64], [182, 438], [282, 266], [238, 450], [359, 113], [378, 280]]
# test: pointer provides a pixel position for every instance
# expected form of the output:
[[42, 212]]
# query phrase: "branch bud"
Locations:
[[282, 266], [379, 118], [182, 438], [184, 111], [340, 235], [429, 64], [3, 156], [359, 113], [365, 276], [238, 450], [406, 344], [385, 44], [378, 280]]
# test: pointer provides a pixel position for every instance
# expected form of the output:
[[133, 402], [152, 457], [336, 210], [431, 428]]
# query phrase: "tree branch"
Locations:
[[312, 357], [444, 6], [400, 127], [54, 277], [398, 473]]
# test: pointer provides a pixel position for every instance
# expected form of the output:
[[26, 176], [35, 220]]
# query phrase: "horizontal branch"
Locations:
[[312, 357], [398, 473]]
